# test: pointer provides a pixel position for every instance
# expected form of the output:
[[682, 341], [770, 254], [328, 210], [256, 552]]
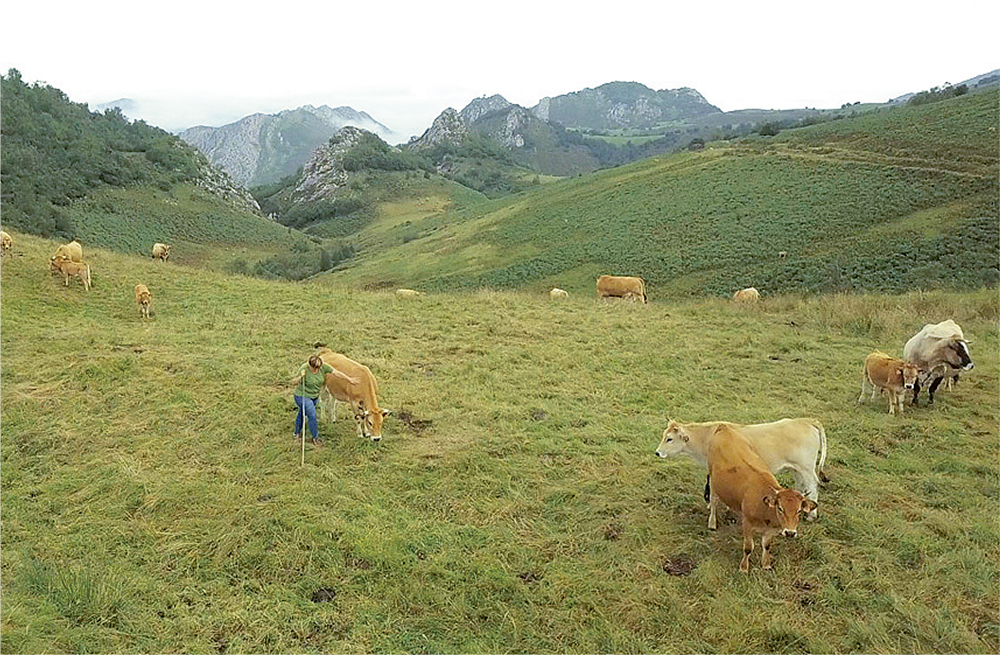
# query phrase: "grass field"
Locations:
[[153, 500]]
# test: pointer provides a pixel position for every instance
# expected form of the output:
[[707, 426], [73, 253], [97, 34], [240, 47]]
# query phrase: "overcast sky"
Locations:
[[206, 62]]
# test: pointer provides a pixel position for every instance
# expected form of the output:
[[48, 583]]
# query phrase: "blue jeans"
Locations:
[[306, 406]]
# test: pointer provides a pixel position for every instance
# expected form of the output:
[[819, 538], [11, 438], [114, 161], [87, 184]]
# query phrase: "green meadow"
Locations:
[[154, 501]]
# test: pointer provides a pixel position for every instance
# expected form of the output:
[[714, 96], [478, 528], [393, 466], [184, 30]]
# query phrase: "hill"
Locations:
[[153, 500], [264, 148], [107, 181], [890, 200]]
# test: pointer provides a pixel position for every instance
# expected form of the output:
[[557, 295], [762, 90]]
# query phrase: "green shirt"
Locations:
[[312, 383]]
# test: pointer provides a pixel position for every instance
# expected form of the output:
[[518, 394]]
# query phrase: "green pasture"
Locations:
[[153, 499]]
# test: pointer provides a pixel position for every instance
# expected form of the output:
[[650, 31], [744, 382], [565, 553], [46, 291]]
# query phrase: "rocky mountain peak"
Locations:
[[324, 175], [482, 106]]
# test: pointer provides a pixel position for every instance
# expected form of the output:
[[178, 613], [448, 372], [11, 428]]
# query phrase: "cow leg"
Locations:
[[708, 489], [747, 548], [765, 544], [932, 389], [892, 401], [713, 520]]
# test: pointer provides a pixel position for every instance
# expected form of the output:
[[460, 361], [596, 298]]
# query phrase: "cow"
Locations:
[[161, 251], [748, 295], [788, 444], [940, 351], [362, 397], [142, 298], [614, 286], [407, 293], [741, 480], [71, 251], [782, 254], [6, 243], [80, 270], [890, 374], [557, 293]]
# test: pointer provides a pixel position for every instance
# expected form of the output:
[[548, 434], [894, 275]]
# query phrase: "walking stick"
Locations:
[[302, 435]]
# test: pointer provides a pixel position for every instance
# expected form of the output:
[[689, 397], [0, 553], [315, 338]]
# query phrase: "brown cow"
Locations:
[[748, 295], [940, 351], [628, 288], [143, 298], [80, 270], [161, 251], [362, 397], [890, 374], [72, 251], [741, 480]]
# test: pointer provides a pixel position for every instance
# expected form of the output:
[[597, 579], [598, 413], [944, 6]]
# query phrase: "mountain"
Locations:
[[623, 105], [263, 148]]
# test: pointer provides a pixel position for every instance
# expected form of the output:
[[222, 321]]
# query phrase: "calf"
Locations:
[[80, 270], [741, 480], [883, 372], [142, 298]]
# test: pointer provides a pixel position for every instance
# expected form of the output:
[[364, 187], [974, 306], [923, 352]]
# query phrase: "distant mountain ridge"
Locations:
[[263, 148], [623, 105]]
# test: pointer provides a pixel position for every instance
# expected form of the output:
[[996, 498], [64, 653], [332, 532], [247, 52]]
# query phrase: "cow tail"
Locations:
[[822, 450]]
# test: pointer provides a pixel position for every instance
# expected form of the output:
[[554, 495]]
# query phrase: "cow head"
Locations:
[[674, 440], [957, 355], [788, 505], [909, 374], [370, 421]]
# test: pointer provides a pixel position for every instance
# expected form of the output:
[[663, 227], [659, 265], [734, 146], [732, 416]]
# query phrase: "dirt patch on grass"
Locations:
[[680, 564], [414, 424]]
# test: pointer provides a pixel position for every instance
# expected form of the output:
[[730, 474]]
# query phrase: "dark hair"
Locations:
[[316, 361]]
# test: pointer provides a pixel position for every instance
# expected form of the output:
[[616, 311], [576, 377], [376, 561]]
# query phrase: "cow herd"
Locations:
[[741, 460]]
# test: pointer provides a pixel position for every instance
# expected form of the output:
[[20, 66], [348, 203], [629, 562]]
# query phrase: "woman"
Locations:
[[310, 382]]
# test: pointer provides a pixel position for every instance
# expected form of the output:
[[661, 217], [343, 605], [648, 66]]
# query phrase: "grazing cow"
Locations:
[[939, 351], [142, 298], [407, 293], [741, 480], [6, 243], [748, 295], [789, 444], [558, 293], [71, 251], [161, 251], [890, 374], [614, 286], [80, 270], [362, 397], [782, 254]]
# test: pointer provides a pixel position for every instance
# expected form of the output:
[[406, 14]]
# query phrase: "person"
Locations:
[[309, 382]]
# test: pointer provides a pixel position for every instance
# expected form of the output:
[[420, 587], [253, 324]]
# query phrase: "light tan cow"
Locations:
[[6, 243], [556, 293], [407, 293], [790, 444], [890, 374], [625, 287], [940, 351], [161, 251], [741, 480], [79, 270], [748, 295], [71, 251], [143, 298], [362, 397]]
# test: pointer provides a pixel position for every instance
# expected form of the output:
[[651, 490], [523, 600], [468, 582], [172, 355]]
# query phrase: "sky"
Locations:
[[208, 62]]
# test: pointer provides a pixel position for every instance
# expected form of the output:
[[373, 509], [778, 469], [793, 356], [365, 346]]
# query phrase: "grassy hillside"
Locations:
[[893, 201], [153, 500]]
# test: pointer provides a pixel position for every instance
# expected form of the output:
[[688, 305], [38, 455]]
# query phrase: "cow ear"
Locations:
[[770, 498], [684, 436], [808, 505], [386, 412]]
